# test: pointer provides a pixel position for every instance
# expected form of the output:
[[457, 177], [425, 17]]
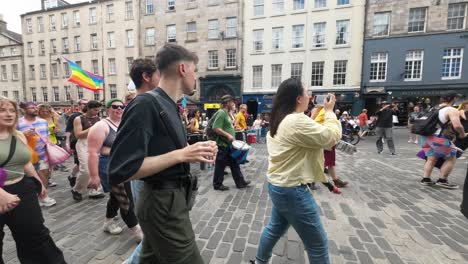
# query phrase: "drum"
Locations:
[[239, 151], [251, 138]]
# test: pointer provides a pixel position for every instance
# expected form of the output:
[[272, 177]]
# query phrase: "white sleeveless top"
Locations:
[[442, 117]]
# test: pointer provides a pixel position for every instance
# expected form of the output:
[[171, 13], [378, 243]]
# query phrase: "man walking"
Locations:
[[384, 126], [224, 129], [151, 145]]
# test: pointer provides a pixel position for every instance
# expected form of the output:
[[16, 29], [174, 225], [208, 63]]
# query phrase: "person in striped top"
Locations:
[[34, 128]]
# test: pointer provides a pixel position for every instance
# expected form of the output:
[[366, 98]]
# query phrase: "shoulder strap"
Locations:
[[167, 125], [12, 151]]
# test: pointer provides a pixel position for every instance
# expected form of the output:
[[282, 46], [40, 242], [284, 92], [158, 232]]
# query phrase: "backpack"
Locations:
[[210, 133], [428, 123]]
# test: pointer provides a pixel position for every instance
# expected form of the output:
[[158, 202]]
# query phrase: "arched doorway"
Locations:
[[215, 92]]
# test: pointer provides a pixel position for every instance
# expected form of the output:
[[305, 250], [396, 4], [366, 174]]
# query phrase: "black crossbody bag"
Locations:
[[192, 181], [3, 174]]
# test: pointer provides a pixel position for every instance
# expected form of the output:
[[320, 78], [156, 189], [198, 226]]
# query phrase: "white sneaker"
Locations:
[[410, 141], [47, 202], [112, 228], [95, 194], [416, 142]]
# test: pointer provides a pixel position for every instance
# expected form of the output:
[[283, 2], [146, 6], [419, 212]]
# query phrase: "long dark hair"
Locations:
[[285, 102]]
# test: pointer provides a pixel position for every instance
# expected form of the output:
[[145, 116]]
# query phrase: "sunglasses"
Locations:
[[118, 106]]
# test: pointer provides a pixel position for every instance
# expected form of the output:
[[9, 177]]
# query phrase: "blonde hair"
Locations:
[[129, 94], [462, 105], [3, 101]]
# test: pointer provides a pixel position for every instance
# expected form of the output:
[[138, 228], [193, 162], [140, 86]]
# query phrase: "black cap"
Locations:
[[226, 98]]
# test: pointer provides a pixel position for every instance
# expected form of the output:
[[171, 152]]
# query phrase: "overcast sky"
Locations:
[[11, 11]]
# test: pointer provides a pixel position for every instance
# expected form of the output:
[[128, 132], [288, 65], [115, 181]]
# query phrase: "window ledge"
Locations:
[[258, 53], [318, 48], [128, 19], [111, 48], [297, 50], [380, 36], [320, 9], [276, 51], [110, 21], [111, 74], [212, 69], [300, 11], [342, 46], [150, 45], [92, 24], [130, 46], [343, 6], [450, 78], [257, 17], [412, 80], [230, 68], [213, 38], [377, 81], [191, 40], [230, 38], [278, 15]]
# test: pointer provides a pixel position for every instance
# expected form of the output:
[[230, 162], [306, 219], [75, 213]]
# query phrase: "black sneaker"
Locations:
[[245, 185], [221, 188], [443, 183], [427, 181], [77, 196], [71, 180]]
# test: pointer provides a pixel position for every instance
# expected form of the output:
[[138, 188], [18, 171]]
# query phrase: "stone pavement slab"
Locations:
[[383, 216]]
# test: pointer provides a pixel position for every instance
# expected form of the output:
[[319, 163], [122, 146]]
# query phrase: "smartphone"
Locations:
[[320, 99]]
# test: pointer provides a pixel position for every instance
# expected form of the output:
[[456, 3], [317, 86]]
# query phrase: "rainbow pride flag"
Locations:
[[84, 78]]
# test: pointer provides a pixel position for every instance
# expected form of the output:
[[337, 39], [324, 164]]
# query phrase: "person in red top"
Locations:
[[363, 123]]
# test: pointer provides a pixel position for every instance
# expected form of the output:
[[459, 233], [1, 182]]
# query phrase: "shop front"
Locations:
[[258, 103]]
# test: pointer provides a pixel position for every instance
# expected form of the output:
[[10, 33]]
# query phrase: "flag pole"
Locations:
[[103, 80]]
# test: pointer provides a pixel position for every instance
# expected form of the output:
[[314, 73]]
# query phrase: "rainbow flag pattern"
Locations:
[[84, 78]]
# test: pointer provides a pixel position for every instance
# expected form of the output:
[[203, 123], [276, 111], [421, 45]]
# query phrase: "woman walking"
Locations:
[[19, 204], [295, 147]]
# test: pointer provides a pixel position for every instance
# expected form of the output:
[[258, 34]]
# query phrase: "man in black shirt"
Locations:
[[151, 145], [384, 126]]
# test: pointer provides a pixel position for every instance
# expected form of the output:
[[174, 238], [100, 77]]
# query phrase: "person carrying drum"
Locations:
[[224, 129]]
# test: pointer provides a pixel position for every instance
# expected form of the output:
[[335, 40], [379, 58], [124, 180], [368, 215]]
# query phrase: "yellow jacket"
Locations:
[[240, 121], [295, 154]]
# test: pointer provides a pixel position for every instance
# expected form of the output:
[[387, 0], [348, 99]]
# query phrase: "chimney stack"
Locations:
[[3, 24]]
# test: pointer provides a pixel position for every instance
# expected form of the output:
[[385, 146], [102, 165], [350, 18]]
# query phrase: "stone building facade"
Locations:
[[414, 51], [11, 63]]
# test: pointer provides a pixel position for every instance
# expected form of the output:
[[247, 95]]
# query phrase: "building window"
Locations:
[[64, 20], [30, 48], [191, 30], [97, 96], [231, 58], [110, 13], [339, 72], [278, 7], [110, 39], [56, 94], [53, 46], [276, 71], [213, 2], [79, 92], [76, 18], [149, 7], [317, 73], [33, 94], [277, 38], [4, 73], [67, 93], [129, 64], [13, 51], [94, 41], [77, 43], [259, 9], [66, 70], [112, 69], [92, 15], [42, 71], [452, 63], [257, 76], [320, 3], [32, 72], [5, 93], [129, 34], [113, 91], [29, 27], [45, 94], [298, 4], [381, 24], [231, 27], [213, 29], [52, 23], [170, 5], [14, 72], [258, 40], [54, 69], [95, 66], [342, 2], [65, 45], [378, 67], [16, 95], [414, 65], [297, 36], [456, 16], [149, 36], [40, 24], [128, 10], [212, 59], [41, 48], [417, 19], [2, 52], [342, 32], [171, 33], [296, 70], [319, 35]]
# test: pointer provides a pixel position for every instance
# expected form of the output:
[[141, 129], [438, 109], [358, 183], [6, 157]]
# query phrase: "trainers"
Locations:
[[95, 194], [221, 188], [410, 141], [47, 202], [112, 228], [443, 183], [340, 183], [71, 180], [76, 196], [427, 181], [416, 142], [52, 184], [246, 183]]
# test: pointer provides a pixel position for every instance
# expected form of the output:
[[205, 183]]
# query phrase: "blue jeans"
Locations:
[[102, 167], [294, 206], [137, 186], [258, 133]]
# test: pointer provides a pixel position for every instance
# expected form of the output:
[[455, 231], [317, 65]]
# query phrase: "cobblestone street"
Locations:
[[384, 216]]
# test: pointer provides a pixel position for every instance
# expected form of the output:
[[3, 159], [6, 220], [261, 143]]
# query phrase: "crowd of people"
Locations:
[[139, 153]]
